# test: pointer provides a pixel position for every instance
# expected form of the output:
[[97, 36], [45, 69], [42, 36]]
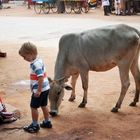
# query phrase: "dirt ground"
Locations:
[[95, 122]]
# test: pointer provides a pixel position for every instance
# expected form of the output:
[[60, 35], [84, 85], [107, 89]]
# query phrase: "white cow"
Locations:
[[98, 50]]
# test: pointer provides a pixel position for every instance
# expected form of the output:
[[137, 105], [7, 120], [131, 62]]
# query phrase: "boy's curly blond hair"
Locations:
[[28, 48]]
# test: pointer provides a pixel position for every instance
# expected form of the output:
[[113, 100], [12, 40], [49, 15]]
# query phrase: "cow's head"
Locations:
[[56, 94]]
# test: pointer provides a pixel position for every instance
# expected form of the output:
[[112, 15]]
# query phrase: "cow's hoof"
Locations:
[[133, 104], [114, 110], [82, 105], [53, 114], [71, 99]]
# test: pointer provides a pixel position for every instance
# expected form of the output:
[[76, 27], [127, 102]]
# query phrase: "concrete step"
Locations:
[[13, 3]]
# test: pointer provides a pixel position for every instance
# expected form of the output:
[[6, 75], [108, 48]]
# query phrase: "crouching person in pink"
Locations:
[[5, 116]]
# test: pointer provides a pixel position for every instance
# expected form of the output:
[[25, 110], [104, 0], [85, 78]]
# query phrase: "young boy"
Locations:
[[39, 87]]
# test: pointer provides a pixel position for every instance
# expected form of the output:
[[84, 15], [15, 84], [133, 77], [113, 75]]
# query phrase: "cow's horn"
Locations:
[[64, 79]]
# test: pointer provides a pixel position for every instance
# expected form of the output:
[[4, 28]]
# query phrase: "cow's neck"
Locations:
[[59, 69]]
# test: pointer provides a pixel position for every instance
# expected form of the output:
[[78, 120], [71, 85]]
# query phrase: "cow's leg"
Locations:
[[73, 83], [84, 77], [124, 76], [136, 73], [136, 98]]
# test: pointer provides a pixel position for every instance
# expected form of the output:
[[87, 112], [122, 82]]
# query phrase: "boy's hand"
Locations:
[[40, 83], [37, 94]]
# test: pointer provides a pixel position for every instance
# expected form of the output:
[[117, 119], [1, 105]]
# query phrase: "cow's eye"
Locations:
[[59, 92]]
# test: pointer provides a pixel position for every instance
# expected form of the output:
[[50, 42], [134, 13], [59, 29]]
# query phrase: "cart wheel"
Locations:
[[54, 7], [85, 7], [38, 7], [46, 8], [77, 7], [68, 7]]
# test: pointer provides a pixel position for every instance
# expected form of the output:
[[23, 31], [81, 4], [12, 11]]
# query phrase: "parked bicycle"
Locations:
[[77, 6], [45, 6], [71, 6], [84, 6]]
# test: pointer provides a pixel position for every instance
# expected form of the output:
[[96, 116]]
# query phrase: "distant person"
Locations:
[[110, 6], [60, 6], [117, 7], [39, 87], [0, 4], [106, 4], [128, 7], [123, 7]]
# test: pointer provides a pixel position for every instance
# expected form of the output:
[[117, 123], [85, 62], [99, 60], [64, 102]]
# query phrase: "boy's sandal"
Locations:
[[46, 125], [31, 128]]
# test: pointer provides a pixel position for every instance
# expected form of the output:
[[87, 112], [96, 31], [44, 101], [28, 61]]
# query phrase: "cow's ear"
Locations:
[[67, 87], [50, 80]]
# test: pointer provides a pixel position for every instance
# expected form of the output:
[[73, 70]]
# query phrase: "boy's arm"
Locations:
[[40, 83]]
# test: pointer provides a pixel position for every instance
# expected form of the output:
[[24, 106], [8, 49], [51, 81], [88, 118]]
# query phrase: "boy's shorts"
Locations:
[[42, 100]]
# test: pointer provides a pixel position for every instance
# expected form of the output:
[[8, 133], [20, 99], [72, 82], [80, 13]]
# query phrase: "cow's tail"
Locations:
[[138, 32], [138, 51]]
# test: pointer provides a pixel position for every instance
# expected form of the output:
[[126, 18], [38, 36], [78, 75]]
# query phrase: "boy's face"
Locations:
[[29, 57]]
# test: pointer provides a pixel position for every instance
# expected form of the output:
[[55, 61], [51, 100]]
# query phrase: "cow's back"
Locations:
[[104, 47], [98, 49]]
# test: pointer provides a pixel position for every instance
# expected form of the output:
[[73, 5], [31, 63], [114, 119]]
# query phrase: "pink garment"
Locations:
[[2, 106]]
